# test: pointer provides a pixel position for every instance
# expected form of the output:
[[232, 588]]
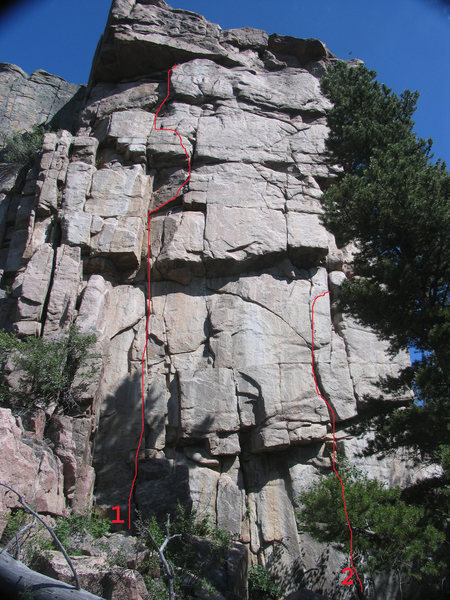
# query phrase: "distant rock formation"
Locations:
[[40, 98], [233, 424]]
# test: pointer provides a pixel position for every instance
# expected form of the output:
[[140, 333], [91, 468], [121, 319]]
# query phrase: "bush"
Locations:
[[16, 520], [71, 529], [48, 368], [32, 545], [189, 523], [21, 148], [157, 589], [181, 552], [261, 584], [389, 533]]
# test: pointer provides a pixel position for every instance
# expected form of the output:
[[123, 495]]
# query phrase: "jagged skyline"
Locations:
[[406, 42]]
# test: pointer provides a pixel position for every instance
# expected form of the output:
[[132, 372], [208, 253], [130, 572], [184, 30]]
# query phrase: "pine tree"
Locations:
[[389, 533], [392, 201]]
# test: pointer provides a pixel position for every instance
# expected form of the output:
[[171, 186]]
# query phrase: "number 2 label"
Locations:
[[348, 580]]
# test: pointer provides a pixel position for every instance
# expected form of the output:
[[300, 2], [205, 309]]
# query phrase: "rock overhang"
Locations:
[[144, 37]]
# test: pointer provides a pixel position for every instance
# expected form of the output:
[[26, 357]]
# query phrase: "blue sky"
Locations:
[[406, 41]]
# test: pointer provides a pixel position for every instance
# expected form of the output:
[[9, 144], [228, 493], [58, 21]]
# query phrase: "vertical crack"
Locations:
[[56, 243], [336, 319]]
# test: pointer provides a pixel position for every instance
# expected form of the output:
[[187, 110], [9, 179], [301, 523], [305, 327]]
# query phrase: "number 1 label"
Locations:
[[117, 519]]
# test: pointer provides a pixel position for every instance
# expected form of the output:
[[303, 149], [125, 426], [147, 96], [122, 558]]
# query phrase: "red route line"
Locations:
[[149, 295], [334, 438], [146, 341]]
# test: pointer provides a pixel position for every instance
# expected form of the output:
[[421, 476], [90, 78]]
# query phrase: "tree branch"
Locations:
[[160, 550], [51, 532], [16, 538]]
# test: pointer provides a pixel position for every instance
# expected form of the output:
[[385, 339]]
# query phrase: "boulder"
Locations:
[[78, 183], [96, 576], [53, 170]]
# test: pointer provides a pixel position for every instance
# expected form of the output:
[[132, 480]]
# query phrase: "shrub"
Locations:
[[33, 544], [181, 552], [189, 523], [27, 594], [21, 148], [48, 368], [156, 530], [74, 527], [261, 584], [157, 589], [16, 520]]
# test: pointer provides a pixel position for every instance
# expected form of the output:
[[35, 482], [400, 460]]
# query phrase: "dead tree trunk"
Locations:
[[16, 580], [165, 563]]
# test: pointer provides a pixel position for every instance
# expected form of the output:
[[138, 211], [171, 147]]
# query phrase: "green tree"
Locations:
[[389, 533], [392, 201], [47, 369], [365, 116]]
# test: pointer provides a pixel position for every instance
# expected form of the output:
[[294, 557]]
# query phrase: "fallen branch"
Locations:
[[51, 532]]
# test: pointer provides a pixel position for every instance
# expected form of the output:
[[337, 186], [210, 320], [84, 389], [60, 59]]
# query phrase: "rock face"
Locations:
[[52, 472], [232, 421], [26, 463], [36, 99]]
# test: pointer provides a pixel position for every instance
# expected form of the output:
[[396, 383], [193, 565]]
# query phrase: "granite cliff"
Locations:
[[233, 424]]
